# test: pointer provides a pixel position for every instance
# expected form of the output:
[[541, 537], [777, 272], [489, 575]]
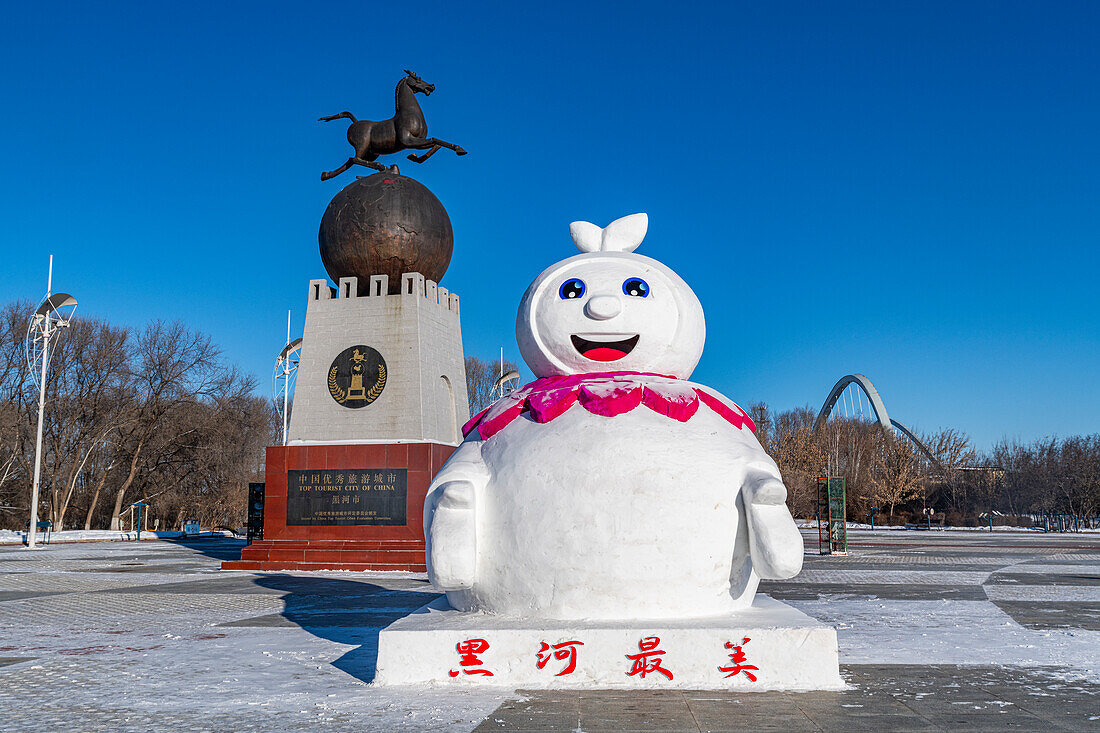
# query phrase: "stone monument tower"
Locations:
[[382, 352], [381, 386]]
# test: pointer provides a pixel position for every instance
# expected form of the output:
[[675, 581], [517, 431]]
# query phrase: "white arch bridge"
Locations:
[[850, 391]]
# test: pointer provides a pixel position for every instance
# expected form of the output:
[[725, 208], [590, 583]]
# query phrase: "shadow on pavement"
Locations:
[[219, 548], [345, 611]]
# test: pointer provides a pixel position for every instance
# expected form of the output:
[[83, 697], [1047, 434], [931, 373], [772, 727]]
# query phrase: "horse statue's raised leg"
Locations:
[[353, 161], [425, 156], [433, 143]]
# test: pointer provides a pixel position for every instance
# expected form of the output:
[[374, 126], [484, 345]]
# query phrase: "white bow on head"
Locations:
[[621, 235]]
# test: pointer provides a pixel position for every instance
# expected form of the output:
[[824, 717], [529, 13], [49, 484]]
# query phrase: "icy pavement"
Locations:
[[8, 537], [936, 632]]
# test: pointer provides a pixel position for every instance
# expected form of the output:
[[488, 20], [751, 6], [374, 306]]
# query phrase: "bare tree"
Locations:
[[951, 448], [91, 369], [15, 410], [953, 451], [157, 417], [480, 377], [896, 476], [851, 448], [790, 440], [173, 367], [762, 418]]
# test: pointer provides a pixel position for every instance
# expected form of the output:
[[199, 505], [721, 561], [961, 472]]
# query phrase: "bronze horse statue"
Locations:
[[405, 130]]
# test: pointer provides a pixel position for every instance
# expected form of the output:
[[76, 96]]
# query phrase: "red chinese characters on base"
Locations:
[[467, 657], [739, 658], [649, 660], [562, 651]]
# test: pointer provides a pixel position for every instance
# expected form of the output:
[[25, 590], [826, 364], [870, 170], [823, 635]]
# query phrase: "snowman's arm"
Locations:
[[774, 540], [450, 514]]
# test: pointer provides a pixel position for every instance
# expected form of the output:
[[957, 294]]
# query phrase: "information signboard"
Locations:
[[346, 497], [832, 524]]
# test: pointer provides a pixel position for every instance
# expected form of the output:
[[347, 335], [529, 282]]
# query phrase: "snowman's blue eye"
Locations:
[[571, 289], [637, 287]]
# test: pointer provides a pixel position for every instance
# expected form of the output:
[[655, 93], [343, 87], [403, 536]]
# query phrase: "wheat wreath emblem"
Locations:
[[334, 389], [341, 395], [373, 392]]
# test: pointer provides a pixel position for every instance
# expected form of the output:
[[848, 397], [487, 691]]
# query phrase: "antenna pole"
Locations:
[[286, 377], [32, 529]]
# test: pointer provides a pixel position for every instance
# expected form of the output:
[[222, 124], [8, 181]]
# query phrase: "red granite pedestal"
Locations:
[[358, 547]]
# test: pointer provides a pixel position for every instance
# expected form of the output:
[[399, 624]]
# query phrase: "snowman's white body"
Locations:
[[632, 516], [635, 516]]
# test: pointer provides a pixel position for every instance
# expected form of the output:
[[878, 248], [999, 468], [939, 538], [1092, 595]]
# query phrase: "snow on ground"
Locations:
[[879, 527], [876, 631], [283, 680], [893, 577], [112, 640], [110, 647], [8, 537]]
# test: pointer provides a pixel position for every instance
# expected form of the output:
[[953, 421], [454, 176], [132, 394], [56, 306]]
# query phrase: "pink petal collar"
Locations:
[[603, 393]]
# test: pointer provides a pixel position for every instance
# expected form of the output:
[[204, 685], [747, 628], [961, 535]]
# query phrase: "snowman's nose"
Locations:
[[603, 307]]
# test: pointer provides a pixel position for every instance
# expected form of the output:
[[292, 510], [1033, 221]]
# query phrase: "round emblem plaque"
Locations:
[[357, 376]]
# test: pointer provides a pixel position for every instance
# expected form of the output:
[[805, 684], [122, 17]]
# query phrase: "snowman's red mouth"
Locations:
[[604, 350]]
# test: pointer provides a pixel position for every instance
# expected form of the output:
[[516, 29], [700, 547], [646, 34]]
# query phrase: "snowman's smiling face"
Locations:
[[610, 311]]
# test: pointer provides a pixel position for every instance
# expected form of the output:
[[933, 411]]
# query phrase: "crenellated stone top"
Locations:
[[413, 285]]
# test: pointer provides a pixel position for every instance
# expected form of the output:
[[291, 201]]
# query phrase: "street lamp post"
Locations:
[[286, 380], [285, 367], [32, 528], [42, 319]]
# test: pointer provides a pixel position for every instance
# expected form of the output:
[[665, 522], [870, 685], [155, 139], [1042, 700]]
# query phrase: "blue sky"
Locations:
[[908, 190]]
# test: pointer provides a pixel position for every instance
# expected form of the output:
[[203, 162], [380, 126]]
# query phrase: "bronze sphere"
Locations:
[[385, 224]]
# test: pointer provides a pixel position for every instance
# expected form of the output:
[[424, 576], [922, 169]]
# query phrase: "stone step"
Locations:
[[353, 556], [292, 565], [365, 544]]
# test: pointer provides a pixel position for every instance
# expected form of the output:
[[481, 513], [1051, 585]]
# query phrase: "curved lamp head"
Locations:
[[54, 303]]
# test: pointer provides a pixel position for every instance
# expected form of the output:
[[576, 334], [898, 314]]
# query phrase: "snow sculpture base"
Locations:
[[785, 650]]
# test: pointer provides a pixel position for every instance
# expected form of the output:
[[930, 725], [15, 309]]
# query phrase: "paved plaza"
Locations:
[[938, 631]]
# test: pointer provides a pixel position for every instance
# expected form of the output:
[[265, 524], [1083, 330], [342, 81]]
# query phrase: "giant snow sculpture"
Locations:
[[611, 487]]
